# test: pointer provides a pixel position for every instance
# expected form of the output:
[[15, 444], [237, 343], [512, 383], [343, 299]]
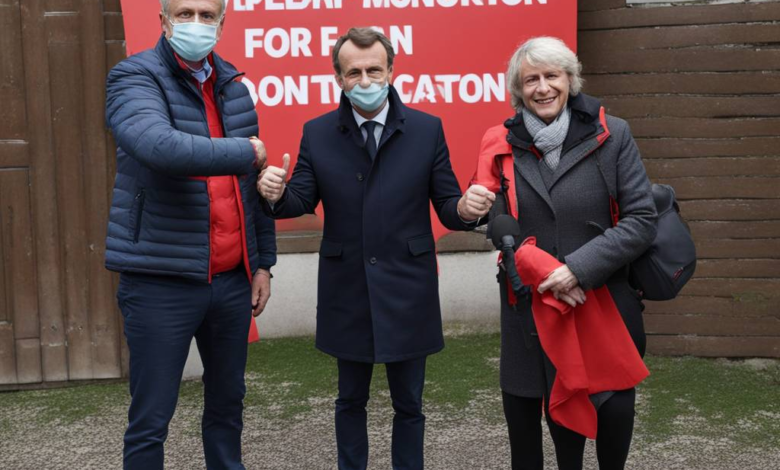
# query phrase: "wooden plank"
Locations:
[[7, 354], [677, 148], [115, 53], [67, 99], [695, 83], [28, 361], [43, 191], [463, 241], [725, 210], [719, 187], [704, 59], [704, 128], [609, 41], [680, 36], [769, 288], [6, 289], [682, 167], [13, 115], [714, 346], [742, 306], [114, 27], [103, 318], [738, 268], [63, 27], [724, 248], [729, 107], [677, 15], [19, 259], [113, 6], [705, 325], [744, 230], [61, 6], [598, 5], [14, 154]]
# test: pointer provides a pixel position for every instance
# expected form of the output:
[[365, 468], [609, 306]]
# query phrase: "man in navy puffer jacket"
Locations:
[[185, 231]]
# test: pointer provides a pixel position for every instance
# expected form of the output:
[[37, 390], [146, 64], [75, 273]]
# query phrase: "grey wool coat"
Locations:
[[568, 211]]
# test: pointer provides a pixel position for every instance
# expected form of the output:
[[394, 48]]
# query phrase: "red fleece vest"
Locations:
[[226, 250], [227, 241]]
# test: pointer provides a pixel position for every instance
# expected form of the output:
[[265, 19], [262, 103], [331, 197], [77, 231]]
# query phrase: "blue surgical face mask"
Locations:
[[193, 41], [368, 99]]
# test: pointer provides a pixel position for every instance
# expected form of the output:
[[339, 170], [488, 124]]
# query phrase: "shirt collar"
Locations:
[[380, 118], [201, 75]]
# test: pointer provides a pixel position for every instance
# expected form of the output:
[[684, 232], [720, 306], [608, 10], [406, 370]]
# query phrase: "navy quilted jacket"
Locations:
[[159, 220]]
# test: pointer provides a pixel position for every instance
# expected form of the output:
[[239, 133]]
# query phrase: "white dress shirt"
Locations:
[[379, 119]]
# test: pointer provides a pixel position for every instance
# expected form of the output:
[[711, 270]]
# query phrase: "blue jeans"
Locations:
[[161, 316], [406, 380]]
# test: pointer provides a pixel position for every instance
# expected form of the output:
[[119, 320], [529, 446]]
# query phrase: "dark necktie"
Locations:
[[369, 126]]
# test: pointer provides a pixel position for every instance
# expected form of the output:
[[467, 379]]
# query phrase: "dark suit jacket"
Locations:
[[378, 291]]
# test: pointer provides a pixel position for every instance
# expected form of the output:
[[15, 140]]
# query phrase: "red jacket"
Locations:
[[589, 344]]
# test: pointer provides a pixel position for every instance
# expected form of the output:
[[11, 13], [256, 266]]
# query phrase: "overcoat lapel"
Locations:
[[570, 159], [527, 164], [581, 139], [348, 126]]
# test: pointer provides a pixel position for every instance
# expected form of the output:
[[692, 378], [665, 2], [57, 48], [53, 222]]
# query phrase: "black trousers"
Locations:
[[615, 428], [406, 380]]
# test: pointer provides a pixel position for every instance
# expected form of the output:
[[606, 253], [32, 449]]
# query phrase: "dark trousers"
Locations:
[[615, 429], [162, 314], [405, 380]]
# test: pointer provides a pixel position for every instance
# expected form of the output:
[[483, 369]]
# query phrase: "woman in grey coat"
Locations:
[[559, 138]]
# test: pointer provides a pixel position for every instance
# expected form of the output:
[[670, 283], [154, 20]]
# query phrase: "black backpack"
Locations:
[[667, 265]]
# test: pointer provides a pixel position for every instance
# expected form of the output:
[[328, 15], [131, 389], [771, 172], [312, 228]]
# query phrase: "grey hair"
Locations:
[[542, 50], [164, 6]]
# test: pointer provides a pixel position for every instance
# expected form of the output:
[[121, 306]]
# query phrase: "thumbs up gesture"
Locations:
[[271, 182]]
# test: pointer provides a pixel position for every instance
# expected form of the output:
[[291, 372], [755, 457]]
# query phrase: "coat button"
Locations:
[[372, 260], [359, 176]]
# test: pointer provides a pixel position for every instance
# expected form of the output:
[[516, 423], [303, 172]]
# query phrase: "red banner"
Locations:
[[451, 58]]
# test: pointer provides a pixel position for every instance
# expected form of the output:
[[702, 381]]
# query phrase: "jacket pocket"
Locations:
[[421, 245], [330, 249], [136, 212]]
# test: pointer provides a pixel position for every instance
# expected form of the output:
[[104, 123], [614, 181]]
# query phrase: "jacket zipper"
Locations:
[[139, 199]]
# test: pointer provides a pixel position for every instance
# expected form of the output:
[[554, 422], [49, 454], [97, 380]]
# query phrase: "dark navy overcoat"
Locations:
[[378, 290]]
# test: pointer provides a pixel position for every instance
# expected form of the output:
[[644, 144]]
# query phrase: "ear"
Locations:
[[165, 27], [390, 75], [339, 80]]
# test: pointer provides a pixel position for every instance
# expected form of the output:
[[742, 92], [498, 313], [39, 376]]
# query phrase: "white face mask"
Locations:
[[193, 41]]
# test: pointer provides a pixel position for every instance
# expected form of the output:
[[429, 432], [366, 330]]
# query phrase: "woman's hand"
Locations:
[[573, 297], [564, 286]]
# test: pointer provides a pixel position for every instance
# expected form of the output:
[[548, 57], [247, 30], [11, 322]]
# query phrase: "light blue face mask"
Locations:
[[193, 41], [368, 99]]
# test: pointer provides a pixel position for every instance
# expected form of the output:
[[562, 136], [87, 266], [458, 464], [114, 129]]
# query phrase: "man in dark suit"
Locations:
[[376, 165]]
